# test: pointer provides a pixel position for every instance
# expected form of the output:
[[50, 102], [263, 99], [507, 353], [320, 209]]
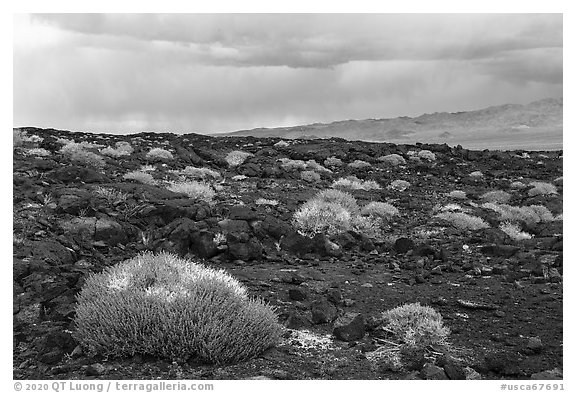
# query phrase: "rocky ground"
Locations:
[[501, 298]]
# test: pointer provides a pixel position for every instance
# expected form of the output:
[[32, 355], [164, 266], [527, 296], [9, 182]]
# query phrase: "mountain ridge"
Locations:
[[494, 127]]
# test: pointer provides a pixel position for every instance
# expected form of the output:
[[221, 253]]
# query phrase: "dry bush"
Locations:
[[292, 165], [195, 190], [162, 305], [541, 188], [427, 155], [514, 231], [379, 209], [392, 159], [352, 182], [333, 162], [415, 325], [78, 154], [497, 196], [476, 174], [159, 154], [122, 149], [200, 173], [141, 177], [310, 176], [399, 185], [237, 157], [528, 214], [342, 198], [317, 216], [37, 152], [463, 220], [359, 164], [457, 194]]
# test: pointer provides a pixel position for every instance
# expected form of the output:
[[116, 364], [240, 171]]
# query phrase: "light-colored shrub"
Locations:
[[497, 196], [399, 185], [317, 216], [541, 188], [457, 194], [476, 174], [200, 173], [112, 196], [416, 325], [463, 221], [310, 176], [20, 137], [359, 164], [141, 177], [518, 185], [292, 165], [264, 201], [392, 159], [379, 209], [38, 152], [370, 226], [333, 162], [122, 149], [77, 154], [314, 166], [427, 155], [528, 214], [237, 157], [162, 305], [514, 231], [451, 207], [281, 144], [158, 153], [352, 182], [195, 190], [342, 198]]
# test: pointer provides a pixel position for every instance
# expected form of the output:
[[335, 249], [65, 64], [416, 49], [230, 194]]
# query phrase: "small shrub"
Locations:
[[113, 197], [281, 144], [399, 185], [122, 149], [463, 220], [476, 174], [141, 177], [427, 155], [367, 225], [237, 157], [314, 166], [162, 305], [159, 154], [542, 188], [200, 173], [392, 159], [514, 231], [317, 216], [416, 325], [457, 194], [518, 185], [451, 207], [354, 183], [38, 152], [379, 209], [264, 201], [333, 162], [310, 176], [497, 196], [342, 198], [359, 164], [20, 137], [292, 165], [195, 190], [77, 154], [528, 214]]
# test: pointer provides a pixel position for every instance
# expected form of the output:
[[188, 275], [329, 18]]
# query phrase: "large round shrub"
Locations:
[[162, 305]]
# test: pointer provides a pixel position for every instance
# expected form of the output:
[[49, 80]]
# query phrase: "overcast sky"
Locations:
[[122, 73]]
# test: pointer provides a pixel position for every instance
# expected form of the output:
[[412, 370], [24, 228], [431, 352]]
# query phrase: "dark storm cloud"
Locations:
[[208, 73], [325, 40]]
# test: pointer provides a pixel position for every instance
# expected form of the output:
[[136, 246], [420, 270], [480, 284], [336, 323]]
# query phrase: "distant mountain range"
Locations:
[[534, 126]]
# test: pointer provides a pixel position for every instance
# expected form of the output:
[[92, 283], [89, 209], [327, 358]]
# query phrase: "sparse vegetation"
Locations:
[[333, 162], [200, 173], [141, 177], [399, 185], [352, 182], [415, 325], [158, 153], [77, 154], [310, 176], [359, 164], [541, 188], [381, 210], [528, 214], [497, 196], [463, 220], [162, 305], [122, 149], [392, 159], [514, 231], [427, 155], [237, 157], [195, 190], [457, 194]]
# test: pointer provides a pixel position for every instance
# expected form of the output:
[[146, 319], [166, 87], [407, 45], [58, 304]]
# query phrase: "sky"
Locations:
[[207, 73]]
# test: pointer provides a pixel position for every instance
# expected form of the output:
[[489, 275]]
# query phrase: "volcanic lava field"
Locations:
[[476, 236]]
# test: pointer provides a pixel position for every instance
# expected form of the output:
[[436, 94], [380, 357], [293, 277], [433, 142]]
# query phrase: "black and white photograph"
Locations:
[[205, 197]]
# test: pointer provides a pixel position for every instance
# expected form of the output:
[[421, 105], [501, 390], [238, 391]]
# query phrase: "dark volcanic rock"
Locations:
[[350, 327], [403, 245], [322, 311]]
